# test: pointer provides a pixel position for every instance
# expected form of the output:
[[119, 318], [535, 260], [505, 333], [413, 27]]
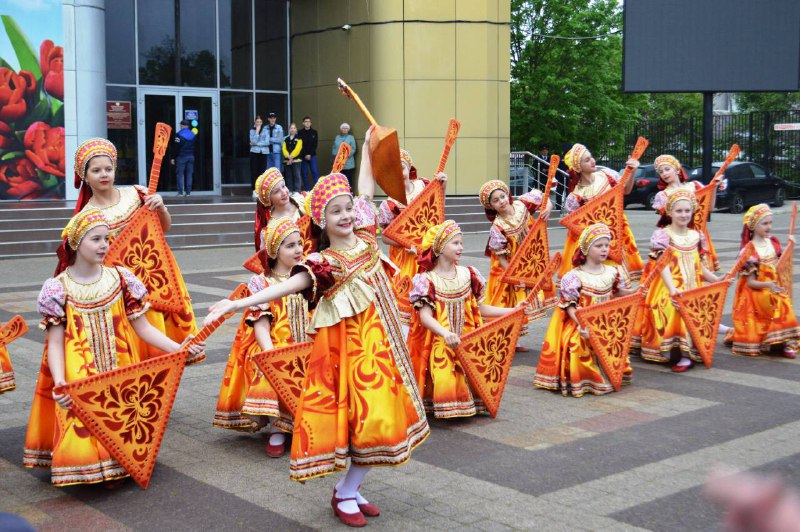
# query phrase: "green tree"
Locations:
[[569, 90], [767, 101]]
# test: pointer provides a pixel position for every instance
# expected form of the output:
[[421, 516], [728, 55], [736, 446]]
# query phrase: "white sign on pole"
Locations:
[[787, 127]]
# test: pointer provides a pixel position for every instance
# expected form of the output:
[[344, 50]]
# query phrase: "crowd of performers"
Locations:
[[384, 329]]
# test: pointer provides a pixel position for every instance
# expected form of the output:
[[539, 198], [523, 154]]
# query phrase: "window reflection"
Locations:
[[121, 49], [271, 67], [177, 39], [236, 117], [235, 44]]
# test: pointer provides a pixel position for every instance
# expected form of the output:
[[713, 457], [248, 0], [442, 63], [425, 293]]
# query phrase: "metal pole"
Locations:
[[708, 134], [691, 141]]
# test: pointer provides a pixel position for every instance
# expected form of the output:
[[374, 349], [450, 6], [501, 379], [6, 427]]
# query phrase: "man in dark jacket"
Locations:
[[184, 158], [308, 156]]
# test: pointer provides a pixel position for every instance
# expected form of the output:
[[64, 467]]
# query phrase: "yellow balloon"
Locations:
[[194, 130]]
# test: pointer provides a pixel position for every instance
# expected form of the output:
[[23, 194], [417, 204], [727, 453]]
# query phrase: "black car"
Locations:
[[746, 184], [645, 185]]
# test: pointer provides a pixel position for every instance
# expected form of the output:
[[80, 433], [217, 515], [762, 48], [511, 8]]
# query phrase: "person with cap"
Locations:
[[247, 401], [661, 334], [349, 165], [308, 156], [275, 141], [763, 319], [184, 159], [95, 318], [568, 362], [359, 398]]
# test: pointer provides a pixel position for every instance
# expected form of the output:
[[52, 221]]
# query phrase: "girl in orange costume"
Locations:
[[404, 259], [585, 183], [7, 382], [246, 398], [671, 177], [511, 221], [763, 318], [663, 333], [568, 362], [95, 166], [92, 315], [360, 397], [276, 201], [449, 303]]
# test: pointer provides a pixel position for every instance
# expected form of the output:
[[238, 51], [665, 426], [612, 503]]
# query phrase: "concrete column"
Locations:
[[84, 77]]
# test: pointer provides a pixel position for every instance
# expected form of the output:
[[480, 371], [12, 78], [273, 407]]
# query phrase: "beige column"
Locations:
[[415, 68]]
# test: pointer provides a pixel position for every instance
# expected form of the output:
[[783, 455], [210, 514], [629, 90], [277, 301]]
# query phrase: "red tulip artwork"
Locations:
[[32, 154]]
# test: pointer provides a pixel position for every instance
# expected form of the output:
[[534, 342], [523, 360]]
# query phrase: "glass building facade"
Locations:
[[217, 63]]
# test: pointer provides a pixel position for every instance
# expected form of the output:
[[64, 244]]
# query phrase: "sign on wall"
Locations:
[[118, 115], [32, 155]]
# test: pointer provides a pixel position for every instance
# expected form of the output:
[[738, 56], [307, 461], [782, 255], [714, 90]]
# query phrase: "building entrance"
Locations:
[[170, 106]]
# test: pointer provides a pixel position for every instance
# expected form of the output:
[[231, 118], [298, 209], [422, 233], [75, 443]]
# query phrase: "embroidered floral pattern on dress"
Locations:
[[497, 241], [570, 289], [385, 214], [257, 284], [420, 290], [135, 286], [50, 303], [478, 291]]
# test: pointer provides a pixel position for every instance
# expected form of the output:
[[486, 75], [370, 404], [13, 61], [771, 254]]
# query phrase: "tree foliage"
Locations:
[[767, 101], [568, 90]]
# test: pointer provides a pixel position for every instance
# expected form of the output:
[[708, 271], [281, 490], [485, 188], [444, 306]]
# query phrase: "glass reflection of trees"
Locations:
[[184, 55]]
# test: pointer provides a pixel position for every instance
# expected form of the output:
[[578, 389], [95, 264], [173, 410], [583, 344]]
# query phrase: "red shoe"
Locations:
[[368, 509], [682, 369], [355, 519], [521, 349], [275, 451]]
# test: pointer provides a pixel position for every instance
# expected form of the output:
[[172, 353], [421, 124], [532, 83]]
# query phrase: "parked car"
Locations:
[[645, 185], [747, 184]]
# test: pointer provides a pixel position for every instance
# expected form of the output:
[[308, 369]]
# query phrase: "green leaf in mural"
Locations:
[[40, 113], [26, 54], [12, 155], [4, 63], [58, 114]]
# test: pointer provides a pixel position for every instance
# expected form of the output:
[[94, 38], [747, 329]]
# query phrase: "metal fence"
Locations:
[[777, 151], [529, 171]]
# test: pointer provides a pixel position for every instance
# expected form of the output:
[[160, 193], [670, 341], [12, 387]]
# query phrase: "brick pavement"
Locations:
[[630, 460]]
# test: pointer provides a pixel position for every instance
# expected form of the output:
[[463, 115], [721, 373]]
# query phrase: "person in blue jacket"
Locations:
[[184, 159], [275, 142]]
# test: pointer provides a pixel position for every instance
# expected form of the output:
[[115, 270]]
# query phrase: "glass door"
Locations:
[[200, 109]]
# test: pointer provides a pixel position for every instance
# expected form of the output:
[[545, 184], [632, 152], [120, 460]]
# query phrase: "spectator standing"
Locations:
[[308, 157], [259, 144], [184, 159], [275, 133], [292, 147], [350, 165]]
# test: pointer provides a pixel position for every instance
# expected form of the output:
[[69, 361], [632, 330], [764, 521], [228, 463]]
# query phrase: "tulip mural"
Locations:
[[31, 119]]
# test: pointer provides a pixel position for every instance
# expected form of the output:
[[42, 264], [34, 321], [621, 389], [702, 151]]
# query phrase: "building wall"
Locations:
[[415, 68]]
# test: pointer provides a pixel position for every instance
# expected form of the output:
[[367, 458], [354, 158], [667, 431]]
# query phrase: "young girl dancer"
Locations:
[[246, 398], [511, 220], [449, 303], [360, 398], [93, 317], [763, 319], [586, 182], [404, 259], [664, 336], [95, 167], [276, 201], [568, 362], [671, 177]]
